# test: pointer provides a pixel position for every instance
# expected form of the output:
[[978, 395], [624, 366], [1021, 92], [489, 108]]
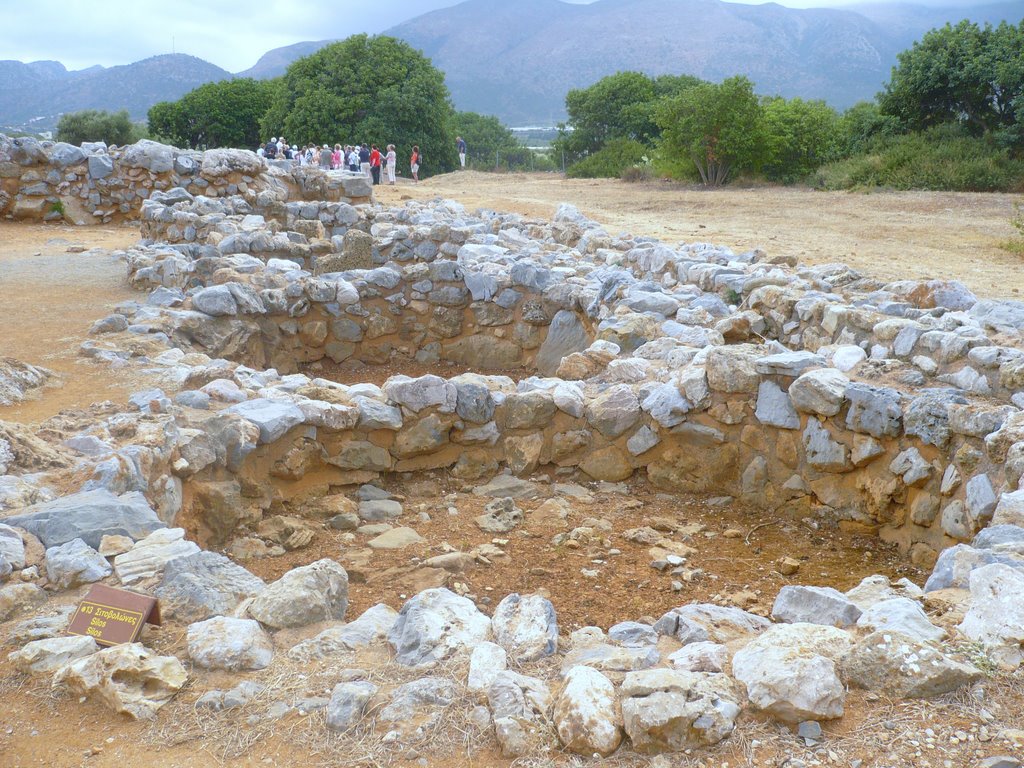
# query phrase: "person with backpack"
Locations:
[[414, 162]]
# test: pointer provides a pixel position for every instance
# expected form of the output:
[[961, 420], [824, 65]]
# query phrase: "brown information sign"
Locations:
[[114, 616]]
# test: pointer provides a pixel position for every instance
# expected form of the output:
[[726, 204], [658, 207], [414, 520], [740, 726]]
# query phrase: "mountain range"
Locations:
[[517, 61]]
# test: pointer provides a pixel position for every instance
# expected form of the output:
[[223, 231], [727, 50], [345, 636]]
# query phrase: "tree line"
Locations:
[[951, 117]]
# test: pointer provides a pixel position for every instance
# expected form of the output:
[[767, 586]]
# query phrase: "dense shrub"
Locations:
[[942, 158], [610, 161]]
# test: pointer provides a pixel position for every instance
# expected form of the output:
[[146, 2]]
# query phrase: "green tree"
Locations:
[[366, 89], [961, 74], [224, 114], [799, 136], [487, 140], [95, 125], [863, 124], [717, 126], [622, 106]]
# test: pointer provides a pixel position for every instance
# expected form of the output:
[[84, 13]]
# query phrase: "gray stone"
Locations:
[[371, 627], [790, 364], [566, 335], [414, 700], [379, 510], [814, 605], [996, 616], [151, 155], [666, 710], [348, 703], [643, 440], [820, 391], [824, 453], [614, 411], [89, 515], [732, 369], [421, 393], [74, 563], [304, 595], [981, 498], [790, 671], [904, 667], [666, 405], [633, 634], [204, 584], [230, 644], [874, 410], [912, 466], [12, 548], [500, 516], [216, 301], [434, 625], [774, 407], [900, 614], [396, 538], [526, 627], [100, 166], [44, 657], [273, 417], [703, 621]]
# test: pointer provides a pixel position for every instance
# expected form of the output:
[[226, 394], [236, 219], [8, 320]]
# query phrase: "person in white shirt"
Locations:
[[390, 161]]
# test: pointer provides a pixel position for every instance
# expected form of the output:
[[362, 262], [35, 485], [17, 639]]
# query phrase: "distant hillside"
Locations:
[[36, 94], [517, 59]]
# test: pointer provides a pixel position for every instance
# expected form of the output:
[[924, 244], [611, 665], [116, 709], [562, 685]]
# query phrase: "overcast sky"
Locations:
[[228, 33]]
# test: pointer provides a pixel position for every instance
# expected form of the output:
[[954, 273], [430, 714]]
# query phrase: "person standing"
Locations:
[[460, 145], [414, 163], [325, 158], [391, 160], [364, 160], [336, 157], [353, 159], [375, 163]]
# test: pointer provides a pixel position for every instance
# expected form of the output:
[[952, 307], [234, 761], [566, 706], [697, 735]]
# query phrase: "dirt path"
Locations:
[[889, 235], [48, 300]]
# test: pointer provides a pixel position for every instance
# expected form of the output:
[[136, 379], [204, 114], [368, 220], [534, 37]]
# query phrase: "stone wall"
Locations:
[[98, 184], [814, 392]]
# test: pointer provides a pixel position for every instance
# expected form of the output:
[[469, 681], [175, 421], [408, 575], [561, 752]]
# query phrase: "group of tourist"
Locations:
[[358, 158]]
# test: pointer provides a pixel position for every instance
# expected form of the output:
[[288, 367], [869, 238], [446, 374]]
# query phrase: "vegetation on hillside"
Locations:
[[951, 117]]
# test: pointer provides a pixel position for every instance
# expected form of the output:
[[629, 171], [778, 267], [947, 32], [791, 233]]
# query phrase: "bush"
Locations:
[[610, 161], [94, 125], [941, 158]]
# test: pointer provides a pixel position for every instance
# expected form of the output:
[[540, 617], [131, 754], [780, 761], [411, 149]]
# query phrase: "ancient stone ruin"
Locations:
[[581, 361]]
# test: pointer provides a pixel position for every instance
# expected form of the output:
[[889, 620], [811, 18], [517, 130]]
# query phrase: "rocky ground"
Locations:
[[599, 650]]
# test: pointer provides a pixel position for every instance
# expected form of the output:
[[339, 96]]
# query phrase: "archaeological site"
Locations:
[[422, 485]]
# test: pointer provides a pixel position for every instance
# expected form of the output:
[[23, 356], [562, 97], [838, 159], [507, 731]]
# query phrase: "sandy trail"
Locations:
[[48, 300]]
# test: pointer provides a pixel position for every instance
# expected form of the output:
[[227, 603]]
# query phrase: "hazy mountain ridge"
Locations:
[[517, 61], [36, 94]]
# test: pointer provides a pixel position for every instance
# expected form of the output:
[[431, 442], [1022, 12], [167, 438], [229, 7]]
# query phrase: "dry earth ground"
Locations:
[[49, 297]]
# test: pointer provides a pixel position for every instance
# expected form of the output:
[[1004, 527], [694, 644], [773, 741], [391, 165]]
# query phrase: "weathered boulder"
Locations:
[[667, 710], [791, 671], [371, 627], [434, 625], [304, 595], [129, 679], [996, 615], [205, 584], [348, 703], [901, 615], [230, 644], [46, 656], [75, 563], [526, 627], [814, 605], [901, 666], [89, 516], [704, 621], [586, 713]]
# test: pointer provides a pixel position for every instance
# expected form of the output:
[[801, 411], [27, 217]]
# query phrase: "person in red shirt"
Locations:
[[414, 163], [375, 158]]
